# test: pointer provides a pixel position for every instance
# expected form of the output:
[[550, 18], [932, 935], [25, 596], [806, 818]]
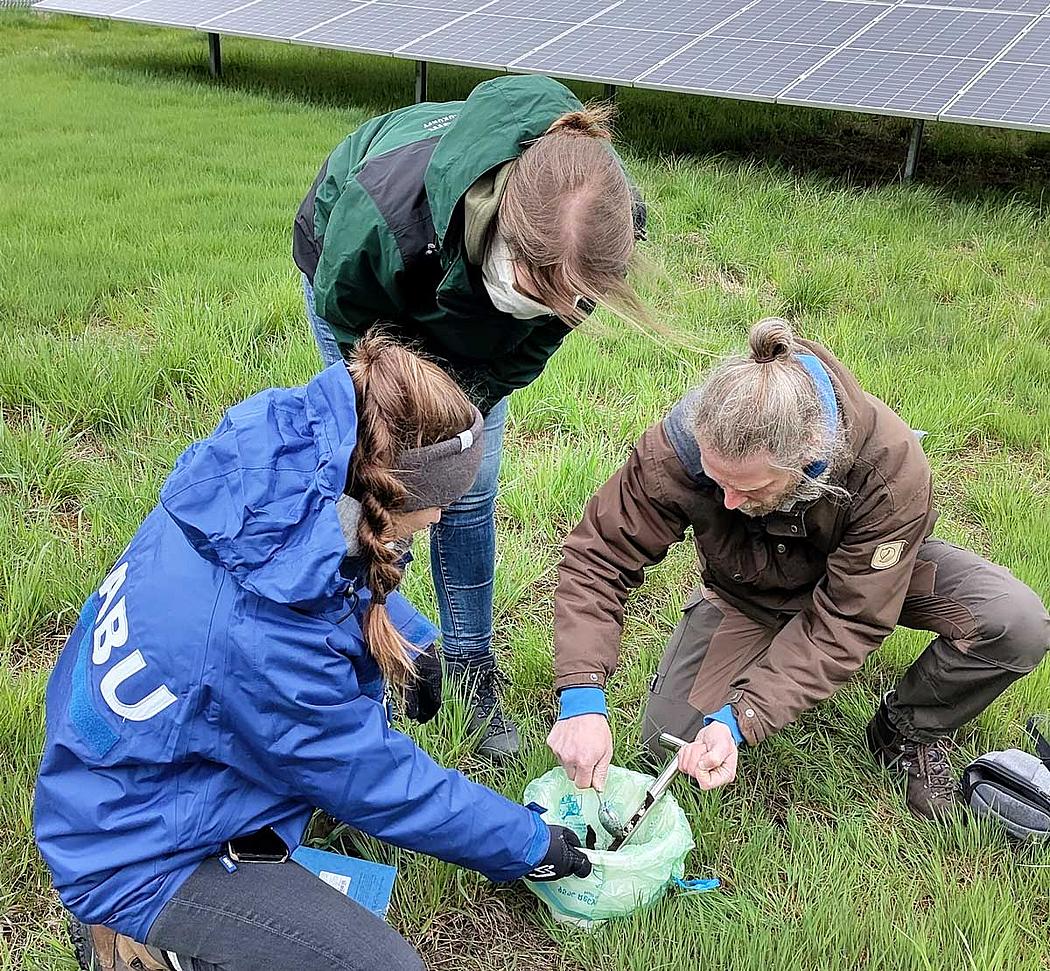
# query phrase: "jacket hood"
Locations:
[[493, 125], [480, 208], [258, 497]]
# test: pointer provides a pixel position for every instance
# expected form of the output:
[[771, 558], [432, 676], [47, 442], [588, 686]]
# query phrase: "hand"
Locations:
[[711, 759], [583, 745], [563, 858], [423, 692]]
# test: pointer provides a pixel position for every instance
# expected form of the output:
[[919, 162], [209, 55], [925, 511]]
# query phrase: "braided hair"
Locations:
[[403, 401]]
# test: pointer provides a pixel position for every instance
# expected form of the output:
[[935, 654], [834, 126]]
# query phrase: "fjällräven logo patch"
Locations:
[[887, 554]]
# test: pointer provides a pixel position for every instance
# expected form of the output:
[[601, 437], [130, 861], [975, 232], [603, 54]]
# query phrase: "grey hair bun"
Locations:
[[772, 339]]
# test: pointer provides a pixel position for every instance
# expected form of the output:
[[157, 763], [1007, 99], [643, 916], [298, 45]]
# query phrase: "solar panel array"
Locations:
[[975, 61]]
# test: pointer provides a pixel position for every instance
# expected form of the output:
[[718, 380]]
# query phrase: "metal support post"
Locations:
[[913, 149], [421, 81], [214, 56], [610, 92]]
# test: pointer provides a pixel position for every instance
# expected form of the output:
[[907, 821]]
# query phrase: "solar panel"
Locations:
[[884, 82], [801, 21], [87, 7], [563, 11], [1034, 47], [278, 19], [178, 13], [378, 27], [604, 53], [1021, 6], [754, 70], [1012, 95], [484, 41], [956, 33], [463, 6], [671, 15], [979, 61]]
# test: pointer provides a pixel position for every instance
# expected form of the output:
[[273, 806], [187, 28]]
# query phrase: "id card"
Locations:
[[369, 884]]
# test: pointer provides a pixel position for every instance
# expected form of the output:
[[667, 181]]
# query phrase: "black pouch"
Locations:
[[1013, 788]]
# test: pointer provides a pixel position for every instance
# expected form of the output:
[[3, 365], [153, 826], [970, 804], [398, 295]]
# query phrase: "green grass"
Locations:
[[146, 285]]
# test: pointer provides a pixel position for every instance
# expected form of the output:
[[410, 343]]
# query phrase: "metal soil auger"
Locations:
[[622, 832]]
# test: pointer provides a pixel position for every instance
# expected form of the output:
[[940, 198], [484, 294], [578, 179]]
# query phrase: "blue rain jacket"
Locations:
[[218, 681]]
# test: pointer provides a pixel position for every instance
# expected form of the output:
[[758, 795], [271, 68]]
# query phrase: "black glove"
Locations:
[[563, 858], [423, 692]]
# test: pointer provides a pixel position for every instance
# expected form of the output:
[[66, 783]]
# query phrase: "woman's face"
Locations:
[[408, 523]]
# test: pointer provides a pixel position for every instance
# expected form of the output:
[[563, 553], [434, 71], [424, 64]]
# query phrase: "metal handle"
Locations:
[[667, 740]]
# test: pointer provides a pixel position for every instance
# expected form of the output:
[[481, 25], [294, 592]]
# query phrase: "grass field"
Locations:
[[146, 285]]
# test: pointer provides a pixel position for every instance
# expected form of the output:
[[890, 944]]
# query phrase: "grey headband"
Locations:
[[439, 474]]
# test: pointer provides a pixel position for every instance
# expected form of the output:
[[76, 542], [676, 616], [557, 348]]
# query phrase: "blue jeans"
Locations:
[[463, 544]]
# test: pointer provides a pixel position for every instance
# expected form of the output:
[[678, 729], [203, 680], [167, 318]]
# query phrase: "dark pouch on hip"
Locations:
[[1013, 788]]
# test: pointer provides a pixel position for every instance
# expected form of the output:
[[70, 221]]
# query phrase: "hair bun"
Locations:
[[593, 120], [771, 339]]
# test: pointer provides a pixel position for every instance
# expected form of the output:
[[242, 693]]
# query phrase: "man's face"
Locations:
[[752, 485]]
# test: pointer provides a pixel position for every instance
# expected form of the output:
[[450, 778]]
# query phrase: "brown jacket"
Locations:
[[834, 573]]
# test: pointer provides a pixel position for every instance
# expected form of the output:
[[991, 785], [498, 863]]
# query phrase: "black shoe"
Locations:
[[933, 791], [479, 683]]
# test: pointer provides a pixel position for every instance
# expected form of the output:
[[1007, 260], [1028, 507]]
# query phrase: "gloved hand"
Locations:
[[563, 858], [423, 692]]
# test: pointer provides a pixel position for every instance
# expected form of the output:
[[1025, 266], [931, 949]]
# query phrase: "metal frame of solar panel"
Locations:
[[982, 62]]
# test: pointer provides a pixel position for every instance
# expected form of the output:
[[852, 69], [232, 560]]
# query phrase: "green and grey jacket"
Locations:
[[394, 229]]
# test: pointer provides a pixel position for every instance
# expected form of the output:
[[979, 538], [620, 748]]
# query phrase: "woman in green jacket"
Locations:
[[482, 231]]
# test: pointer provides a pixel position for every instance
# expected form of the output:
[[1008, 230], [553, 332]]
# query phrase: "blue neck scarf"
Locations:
[[830, 404]]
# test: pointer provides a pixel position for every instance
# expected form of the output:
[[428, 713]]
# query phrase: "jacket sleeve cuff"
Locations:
[[582, 701], [582, 679], [725, 716], [541, 841]]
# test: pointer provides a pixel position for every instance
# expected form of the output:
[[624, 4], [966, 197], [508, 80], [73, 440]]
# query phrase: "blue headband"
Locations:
[[826, 393]]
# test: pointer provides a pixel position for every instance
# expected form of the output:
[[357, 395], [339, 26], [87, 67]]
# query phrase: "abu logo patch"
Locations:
[[887, 554]]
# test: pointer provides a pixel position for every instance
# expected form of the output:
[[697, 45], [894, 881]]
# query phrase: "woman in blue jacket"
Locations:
[[228, 676]]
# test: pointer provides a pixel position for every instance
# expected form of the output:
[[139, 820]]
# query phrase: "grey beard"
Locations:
[[806, 491]]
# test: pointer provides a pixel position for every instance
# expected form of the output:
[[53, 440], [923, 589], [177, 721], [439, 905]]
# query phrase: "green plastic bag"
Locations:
[[638, 874]]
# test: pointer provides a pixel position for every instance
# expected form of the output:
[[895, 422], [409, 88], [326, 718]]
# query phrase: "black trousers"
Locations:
[[274, 917], [991, 630]]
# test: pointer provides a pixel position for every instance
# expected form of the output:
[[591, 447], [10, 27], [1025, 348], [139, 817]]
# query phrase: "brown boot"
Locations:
[[933, 791], [100, 949]]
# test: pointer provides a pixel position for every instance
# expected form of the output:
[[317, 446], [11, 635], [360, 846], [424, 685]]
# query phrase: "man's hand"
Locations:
[[583, 745], [711, 759]]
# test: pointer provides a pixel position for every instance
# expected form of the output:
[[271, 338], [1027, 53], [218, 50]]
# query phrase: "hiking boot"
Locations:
[[100, 949], [479, 683], [932, 789]]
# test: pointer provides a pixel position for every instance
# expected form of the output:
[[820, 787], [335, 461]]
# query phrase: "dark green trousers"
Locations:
[[991, 630]]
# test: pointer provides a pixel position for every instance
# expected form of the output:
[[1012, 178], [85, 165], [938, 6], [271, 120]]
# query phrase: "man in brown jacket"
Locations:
[[810, 505]]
